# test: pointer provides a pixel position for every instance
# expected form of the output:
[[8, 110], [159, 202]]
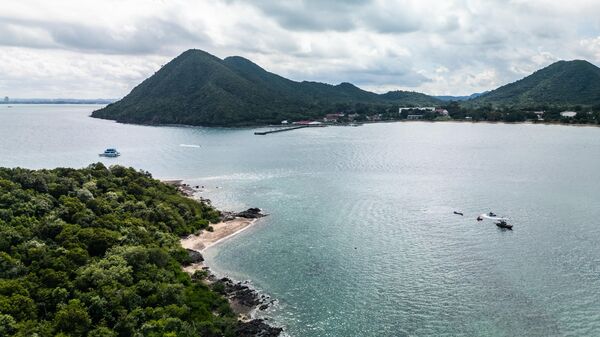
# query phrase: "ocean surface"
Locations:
[[361, 239]]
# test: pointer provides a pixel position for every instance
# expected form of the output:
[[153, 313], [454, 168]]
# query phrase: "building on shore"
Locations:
[[374, 118], [352, 117], [414, 117], [309, 123], [441, 112], [6, 99], [424, 109], [568, 114], [333, 117]]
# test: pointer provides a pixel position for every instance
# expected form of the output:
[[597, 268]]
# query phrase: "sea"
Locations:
[[361, 237]]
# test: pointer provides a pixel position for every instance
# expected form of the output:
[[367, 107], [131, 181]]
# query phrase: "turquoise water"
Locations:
[[361, 240]]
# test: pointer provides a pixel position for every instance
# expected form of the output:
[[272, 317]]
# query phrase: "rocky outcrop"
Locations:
[[242, 294], [250, 213], [257, 328], [195, 256]]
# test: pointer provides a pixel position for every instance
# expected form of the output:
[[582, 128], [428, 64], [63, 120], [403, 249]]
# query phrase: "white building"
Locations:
[[427, 108], [568, 114]]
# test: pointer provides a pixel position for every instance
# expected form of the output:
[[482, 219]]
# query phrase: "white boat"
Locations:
[[110, 153]]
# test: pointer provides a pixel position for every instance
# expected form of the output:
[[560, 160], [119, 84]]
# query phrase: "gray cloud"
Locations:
[[146, 35], [102, 48]]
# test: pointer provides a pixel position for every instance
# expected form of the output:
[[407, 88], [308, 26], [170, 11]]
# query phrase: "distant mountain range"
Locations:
[[459, 98], [197, 88]]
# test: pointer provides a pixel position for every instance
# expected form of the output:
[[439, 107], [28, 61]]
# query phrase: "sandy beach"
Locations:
[[221, 231]]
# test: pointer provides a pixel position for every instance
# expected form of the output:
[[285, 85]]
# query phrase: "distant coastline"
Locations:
[[57, 101]]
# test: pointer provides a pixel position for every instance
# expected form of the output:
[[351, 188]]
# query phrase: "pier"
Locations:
[[262, 133]]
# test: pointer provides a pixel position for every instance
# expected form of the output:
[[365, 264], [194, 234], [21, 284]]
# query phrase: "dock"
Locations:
[[262, 133]]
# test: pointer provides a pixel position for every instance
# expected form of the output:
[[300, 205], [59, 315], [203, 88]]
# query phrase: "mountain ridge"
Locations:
[[198, 88]]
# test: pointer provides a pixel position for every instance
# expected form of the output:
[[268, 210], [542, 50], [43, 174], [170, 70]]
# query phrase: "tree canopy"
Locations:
[[95, 252]]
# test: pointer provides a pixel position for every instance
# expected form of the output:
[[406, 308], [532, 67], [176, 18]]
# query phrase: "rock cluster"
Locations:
[[258, 328]]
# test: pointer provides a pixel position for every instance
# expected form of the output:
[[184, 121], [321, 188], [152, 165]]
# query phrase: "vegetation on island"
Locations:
[[563, 83], [95, 252], [197, 88]]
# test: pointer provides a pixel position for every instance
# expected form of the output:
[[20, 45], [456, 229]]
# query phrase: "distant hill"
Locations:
[[460, 98], [561, 83], [197, 88], [410, 98]]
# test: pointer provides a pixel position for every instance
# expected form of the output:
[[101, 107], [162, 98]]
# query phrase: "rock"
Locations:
[[195, 256], [251, 213], [257, 328], [242, 293]]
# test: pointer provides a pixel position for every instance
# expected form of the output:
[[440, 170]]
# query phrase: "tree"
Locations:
[[72, 319]]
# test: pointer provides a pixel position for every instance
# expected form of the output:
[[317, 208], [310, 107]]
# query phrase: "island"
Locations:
[[197, 88]]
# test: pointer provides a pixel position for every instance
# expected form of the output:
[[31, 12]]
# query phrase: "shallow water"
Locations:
[[361, 240]]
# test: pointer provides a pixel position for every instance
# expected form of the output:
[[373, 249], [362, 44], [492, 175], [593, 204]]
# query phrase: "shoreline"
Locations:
[[221, 231], [244, 300]]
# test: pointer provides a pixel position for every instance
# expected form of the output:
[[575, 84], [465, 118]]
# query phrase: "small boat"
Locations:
[[458, 213], [111, 153], [502, 224], [479, 218], [492, 214]]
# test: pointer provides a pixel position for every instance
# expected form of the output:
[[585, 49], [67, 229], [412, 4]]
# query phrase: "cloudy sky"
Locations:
[[103, 48]]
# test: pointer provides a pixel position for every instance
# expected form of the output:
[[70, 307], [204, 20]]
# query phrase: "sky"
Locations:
[[104, 48]]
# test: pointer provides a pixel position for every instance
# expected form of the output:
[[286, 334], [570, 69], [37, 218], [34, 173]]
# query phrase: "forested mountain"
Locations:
[[562, 83], [95, 252], [197, 88]]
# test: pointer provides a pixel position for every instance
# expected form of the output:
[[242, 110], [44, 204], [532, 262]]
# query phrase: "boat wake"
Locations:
[[496, 218]]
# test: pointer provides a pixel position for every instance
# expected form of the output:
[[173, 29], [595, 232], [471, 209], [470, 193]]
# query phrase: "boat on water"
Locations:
[[111, 153], [502, 224]]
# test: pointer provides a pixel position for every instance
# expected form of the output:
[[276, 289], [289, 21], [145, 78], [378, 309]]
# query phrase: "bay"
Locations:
[[361, 239]]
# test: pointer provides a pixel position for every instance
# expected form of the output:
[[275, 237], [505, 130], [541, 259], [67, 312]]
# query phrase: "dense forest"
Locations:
[[95, 252]]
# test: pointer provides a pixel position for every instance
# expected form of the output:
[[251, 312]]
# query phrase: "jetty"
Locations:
[[262, 133]]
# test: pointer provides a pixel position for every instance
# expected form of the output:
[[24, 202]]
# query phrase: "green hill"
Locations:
[[197, 88], [562, 83], [410, 98]]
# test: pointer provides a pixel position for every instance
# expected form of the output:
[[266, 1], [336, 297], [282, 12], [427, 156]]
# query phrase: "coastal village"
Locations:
[[439, 113]]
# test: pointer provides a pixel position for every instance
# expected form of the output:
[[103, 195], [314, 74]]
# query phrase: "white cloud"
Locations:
[[103, 48]]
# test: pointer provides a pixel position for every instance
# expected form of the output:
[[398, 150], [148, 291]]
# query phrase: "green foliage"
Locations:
[[197, 88], [562, 83], [95, 252]]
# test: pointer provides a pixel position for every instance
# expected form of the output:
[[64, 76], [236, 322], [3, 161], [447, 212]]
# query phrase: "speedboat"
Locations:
[[110, 153], [492, 214], [504, 225]]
